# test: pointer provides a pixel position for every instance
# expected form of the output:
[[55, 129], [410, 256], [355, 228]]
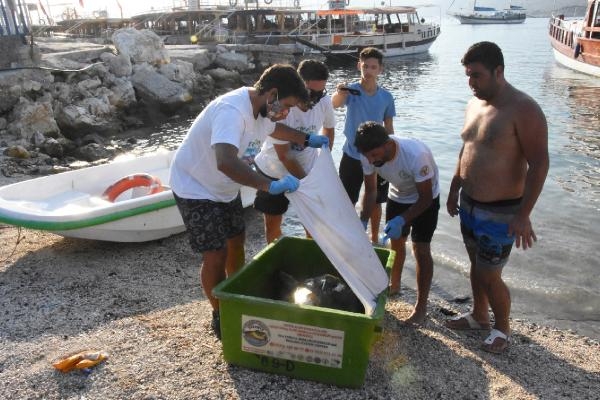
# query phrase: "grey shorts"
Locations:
[[209, 223]]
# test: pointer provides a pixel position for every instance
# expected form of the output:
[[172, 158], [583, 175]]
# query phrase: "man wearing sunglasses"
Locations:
[[278, 158], [207, 170]]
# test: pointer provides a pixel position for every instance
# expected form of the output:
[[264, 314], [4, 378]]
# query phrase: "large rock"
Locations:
[[225, 78], [28, 117], [201, 58], [233, 61], [76, 121], [180, 71], [156, 88], [118, 65], [141, 46], [18, 83]]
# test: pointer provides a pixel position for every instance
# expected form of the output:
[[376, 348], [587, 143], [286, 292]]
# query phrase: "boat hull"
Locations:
[[572, 45], [475, 20], [70, 204]]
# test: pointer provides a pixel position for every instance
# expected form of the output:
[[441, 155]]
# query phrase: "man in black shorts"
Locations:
[[413, 201]]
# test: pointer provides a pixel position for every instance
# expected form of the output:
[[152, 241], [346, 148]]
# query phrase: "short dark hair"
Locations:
[[486, 53], [371, 52], [370, 135], [313, 70], [285, 79]]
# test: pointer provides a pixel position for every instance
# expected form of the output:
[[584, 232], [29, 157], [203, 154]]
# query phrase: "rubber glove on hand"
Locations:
[[317, 141], [287, 184], [393, 229]]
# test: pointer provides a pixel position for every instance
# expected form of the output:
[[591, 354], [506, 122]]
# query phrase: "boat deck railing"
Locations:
[[561, 31]]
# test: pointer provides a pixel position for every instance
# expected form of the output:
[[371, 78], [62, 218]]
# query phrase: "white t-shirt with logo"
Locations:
[[227, 119], [311, 121], [413, 163]]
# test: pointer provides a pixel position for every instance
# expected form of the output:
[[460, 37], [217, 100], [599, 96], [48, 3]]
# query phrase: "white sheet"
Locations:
[[327, 213]]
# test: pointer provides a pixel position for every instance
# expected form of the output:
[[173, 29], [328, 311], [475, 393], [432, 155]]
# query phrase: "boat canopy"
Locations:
[[477, 8], [361, 11]]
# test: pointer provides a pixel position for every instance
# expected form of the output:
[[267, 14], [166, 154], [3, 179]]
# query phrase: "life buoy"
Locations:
[[130, 182]]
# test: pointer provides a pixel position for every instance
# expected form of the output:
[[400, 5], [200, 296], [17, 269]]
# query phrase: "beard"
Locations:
[[263, 110]]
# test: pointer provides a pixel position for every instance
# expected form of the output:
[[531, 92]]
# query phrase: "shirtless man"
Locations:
[[500, 173]]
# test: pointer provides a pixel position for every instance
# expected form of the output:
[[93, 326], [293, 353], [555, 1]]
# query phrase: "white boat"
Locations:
[[78, 203], [489, 15], [396, 31], [576, 43]]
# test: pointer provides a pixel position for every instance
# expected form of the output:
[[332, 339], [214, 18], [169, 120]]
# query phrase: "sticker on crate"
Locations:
[[290, 341]]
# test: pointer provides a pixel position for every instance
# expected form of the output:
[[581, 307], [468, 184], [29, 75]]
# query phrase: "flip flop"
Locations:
[[495, 334], [467, 323]]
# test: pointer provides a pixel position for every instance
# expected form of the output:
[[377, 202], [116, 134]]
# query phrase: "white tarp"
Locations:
[[327, 213]]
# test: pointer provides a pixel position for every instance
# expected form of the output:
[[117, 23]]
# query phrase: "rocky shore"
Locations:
[[142, 304], [79, 104]]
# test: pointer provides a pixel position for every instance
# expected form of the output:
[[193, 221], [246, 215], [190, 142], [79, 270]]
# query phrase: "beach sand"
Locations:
[[142, 304]]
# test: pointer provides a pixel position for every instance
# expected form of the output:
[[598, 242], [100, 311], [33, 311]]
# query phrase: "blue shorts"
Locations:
[[209, 223], [484, 227]]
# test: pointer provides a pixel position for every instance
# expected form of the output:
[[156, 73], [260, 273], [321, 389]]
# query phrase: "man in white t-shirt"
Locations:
[[207, 171], [278, 158], [413, 201]]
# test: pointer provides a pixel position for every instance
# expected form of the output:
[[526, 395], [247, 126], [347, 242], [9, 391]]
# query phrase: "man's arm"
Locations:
[[388, 124], [284, 132], [455, 185], [330, 133], [532, 133], [425, 190], [229, 164], [339, 97], [284, 153], [370, 197]]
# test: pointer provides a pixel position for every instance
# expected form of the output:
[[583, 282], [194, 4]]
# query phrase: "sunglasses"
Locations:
[[315, 96]]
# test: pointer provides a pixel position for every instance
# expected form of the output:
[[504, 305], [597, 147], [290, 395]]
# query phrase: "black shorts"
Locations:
[[267, 203], [421, 228], [209, 223], [352, 177]]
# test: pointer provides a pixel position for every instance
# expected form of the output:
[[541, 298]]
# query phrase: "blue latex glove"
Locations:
[[365, 222], [317, 141], [287, 184], [393, 229]]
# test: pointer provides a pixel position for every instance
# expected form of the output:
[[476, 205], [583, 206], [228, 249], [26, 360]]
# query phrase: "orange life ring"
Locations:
[[130, 182]]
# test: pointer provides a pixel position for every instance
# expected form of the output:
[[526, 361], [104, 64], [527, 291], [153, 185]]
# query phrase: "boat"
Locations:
[[576, 43], [396, 31], [123, 201], [489, 15]]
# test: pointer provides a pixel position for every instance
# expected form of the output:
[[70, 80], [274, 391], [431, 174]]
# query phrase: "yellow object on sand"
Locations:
[[84, 359]]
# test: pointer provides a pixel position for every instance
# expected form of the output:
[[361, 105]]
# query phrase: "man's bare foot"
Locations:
[[416, 318]]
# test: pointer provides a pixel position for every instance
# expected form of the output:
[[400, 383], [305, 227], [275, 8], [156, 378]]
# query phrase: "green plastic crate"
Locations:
[[306, 342]]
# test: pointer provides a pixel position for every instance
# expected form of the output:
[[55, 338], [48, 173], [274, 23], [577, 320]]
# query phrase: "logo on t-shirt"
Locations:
[[425, 170]]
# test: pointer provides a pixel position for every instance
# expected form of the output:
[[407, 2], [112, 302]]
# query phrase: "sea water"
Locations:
[[557, 281]]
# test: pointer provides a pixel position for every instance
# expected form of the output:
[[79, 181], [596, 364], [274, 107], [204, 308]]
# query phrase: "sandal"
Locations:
[[496, 335]]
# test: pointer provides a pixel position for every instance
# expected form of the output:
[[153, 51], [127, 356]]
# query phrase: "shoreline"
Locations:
[[141, 303]]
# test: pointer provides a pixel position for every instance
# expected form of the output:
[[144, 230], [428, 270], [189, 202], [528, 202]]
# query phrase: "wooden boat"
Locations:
[[489, 15], [576, 43], [78, 203], [396, 31]]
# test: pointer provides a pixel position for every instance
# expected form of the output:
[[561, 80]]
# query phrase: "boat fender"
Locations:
[[130, 182], [577, 50]]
